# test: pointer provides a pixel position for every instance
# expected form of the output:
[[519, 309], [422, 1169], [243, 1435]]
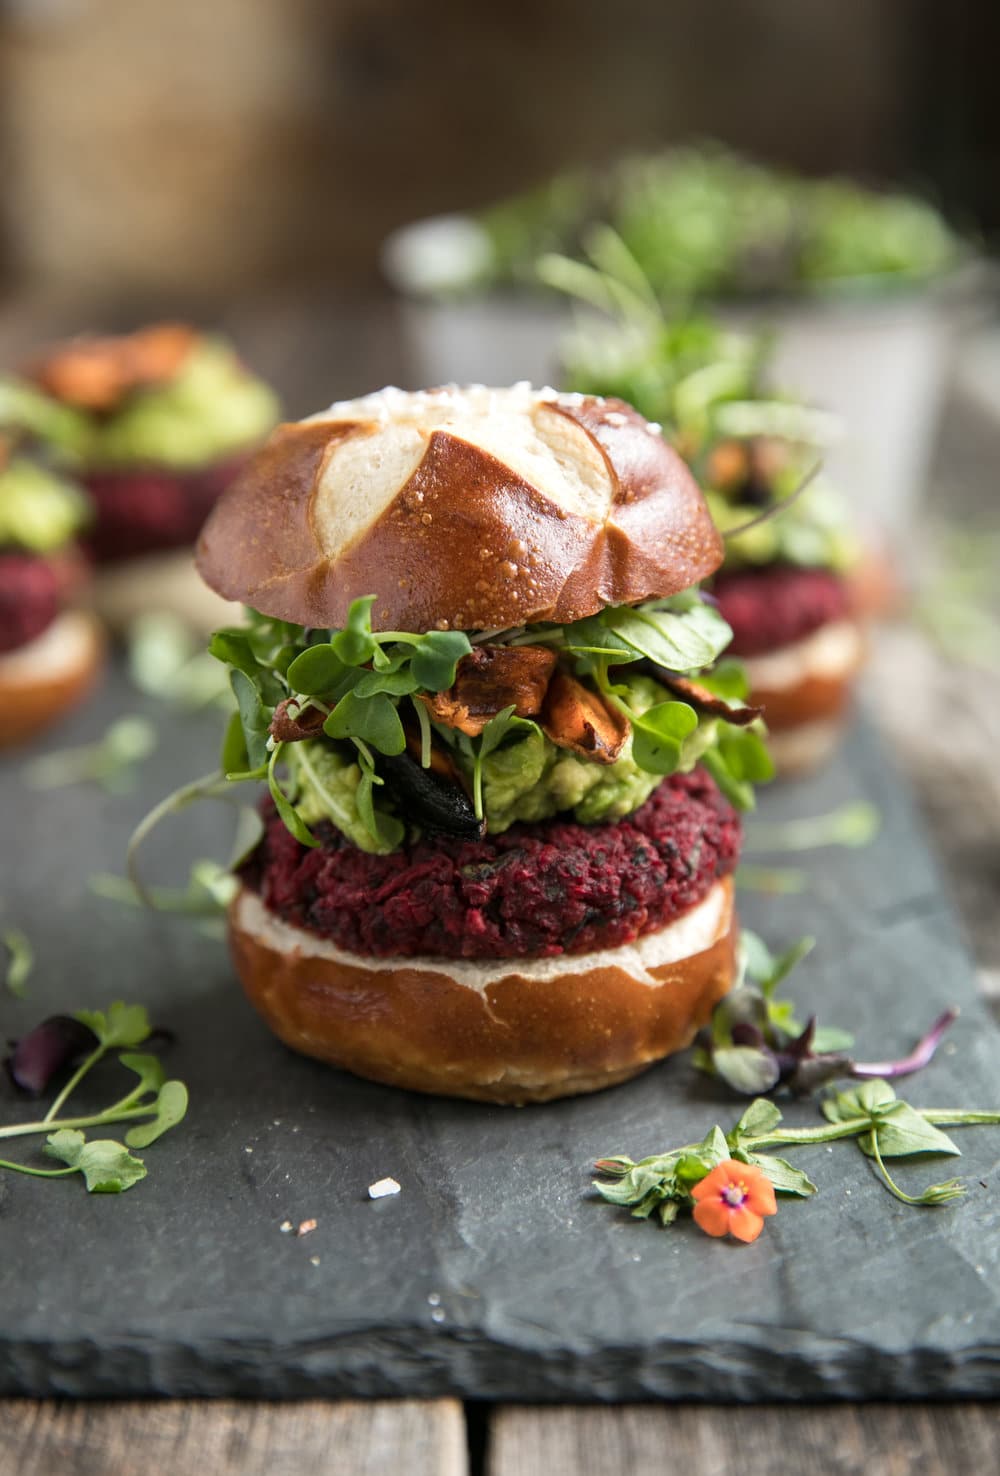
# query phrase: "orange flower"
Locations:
[[733, 1200]]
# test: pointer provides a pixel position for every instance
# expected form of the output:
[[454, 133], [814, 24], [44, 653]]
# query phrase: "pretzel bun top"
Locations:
[[460, 508]]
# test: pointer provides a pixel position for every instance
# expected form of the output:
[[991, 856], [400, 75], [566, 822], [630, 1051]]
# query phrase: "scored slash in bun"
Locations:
[[460, 508]]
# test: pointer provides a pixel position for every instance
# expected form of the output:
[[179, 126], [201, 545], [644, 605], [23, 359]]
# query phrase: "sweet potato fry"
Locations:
[[97, 373], [702, 700], [490, 679], [576, 718]]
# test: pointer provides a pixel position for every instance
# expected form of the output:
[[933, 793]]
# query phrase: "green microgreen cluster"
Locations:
[[704, 385], [361, 688], [883, 1126], [154, 1103], [704, 222]]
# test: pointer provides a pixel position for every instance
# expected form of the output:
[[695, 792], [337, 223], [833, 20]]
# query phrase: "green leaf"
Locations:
[[21, 961], [392, 683], [355, 644], [255, 718], [374, 720], [746, 1069], [289, 814], [107, 1167], [658, 733], [436, 658], [234, 758], [678, 639], [171, 1106], [867, 1100], [828, 1040], [316, 671], [149, 1070], [386, 829], [123, 1025], [758, 1121], [727, 679], [784, 1176], [903, 1133]]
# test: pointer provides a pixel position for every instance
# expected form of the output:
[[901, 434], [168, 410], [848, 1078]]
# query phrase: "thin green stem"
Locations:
[[23, 1168], [934, 1194], [75, 1080], [829, 1133], [96, 1119], [956, 1117]]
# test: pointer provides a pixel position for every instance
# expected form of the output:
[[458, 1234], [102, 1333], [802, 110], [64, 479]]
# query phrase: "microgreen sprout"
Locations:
[[883, 1126], [110, 762], [154, 1104]]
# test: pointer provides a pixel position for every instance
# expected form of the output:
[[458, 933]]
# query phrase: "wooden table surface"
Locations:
[[943, 721]]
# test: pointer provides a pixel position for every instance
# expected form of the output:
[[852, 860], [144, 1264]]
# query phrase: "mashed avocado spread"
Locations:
[[38, 510], [212, 407], [527, 779]]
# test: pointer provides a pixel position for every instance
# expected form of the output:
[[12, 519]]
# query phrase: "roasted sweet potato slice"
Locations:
[[490, 679], [574, 717], [97, 373], [702, 700], [292, 724]]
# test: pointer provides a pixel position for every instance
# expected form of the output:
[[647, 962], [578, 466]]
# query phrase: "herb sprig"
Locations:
[[358, 686], [154, 1103], [882, 1125]]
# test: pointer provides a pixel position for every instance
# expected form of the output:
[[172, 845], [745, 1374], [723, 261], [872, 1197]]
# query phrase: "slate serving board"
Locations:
[[494, 1274]]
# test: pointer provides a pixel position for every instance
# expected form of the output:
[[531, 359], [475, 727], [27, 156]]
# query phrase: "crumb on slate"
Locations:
[[382, 1188]]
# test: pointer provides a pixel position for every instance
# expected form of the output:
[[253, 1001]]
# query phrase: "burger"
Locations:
[[788, 590], [154, 424], [793, 585], [504, 771], [50, 650]]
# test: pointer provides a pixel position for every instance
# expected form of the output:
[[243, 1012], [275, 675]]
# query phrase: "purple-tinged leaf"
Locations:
[[44, 1052]]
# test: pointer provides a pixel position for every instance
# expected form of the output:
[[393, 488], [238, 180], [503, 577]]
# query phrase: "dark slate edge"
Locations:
[[412, 1363]]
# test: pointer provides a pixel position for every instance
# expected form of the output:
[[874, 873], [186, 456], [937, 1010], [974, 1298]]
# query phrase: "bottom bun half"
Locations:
[[49, 676], [519, 1030]]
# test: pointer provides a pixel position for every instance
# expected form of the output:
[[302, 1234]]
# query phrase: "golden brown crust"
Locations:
[[520, 1039], [32, 697], [466, 540]]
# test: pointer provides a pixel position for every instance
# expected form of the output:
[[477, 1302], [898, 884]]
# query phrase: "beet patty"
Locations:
[[772, 607], [533, 891], [30, 595], [149, 509]]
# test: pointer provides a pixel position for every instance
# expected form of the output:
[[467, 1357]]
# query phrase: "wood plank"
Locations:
[[246, 1439], [705, 1440]]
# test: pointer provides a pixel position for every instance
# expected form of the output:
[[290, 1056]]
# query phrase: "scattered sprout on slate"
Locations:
[[854, 824], [755, 1043], [881, 1124], [20, 961], [153, 1103], [111, 761], [167, 661], [210, 889]]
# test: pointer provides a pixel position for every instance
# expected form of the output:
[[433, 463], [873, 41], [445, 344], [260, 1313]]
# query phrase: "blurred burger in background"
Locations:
[[789, 584], [50, 649], [155, 425]]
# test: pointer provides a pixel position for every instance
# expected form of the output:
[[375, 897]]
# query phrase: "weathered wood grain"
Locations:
[[232, 1439], [832, 1440]]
